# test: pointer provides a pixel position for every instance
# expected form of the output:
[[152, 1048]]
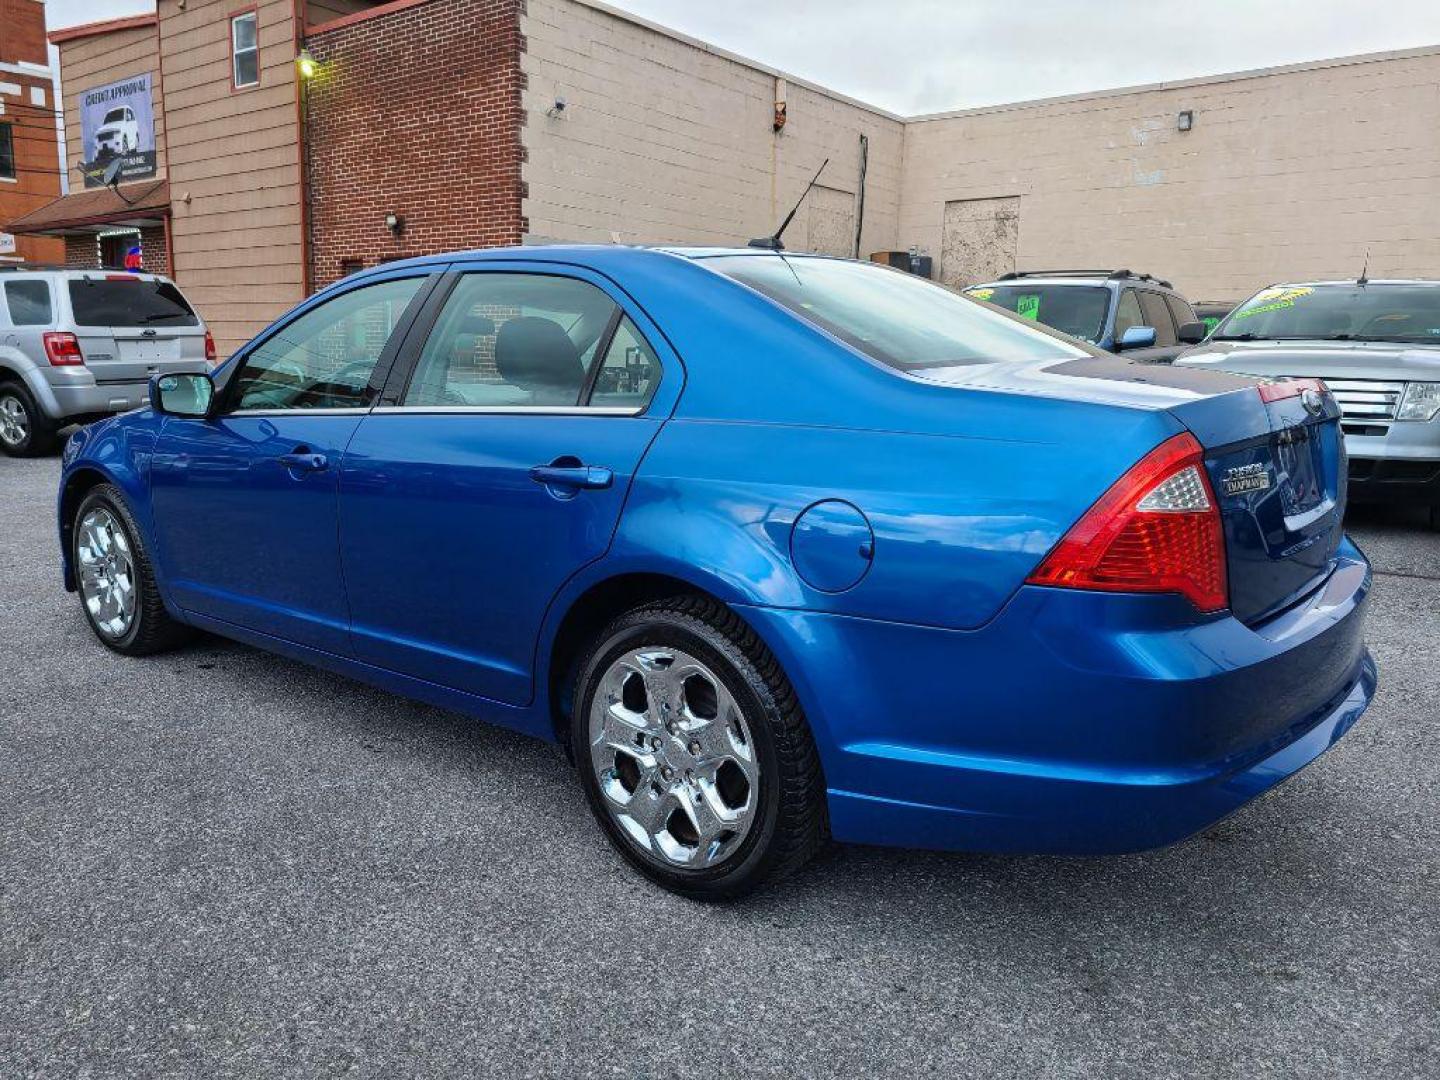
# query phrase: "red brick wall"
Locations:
[[415, 113], [22, 33]]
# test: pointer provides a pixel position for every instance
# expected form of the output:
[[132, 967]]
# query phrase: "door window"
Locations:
[[29, 303], [629, 373], [1127, 313], [507, 340], [324, 359], [1181, 311], [1158, 316]]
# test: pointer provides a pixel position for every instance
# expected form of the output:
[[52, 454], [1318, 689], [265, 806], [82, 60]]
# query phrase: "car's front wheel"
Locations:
[[115, 579], [694, 752], [24, 430]]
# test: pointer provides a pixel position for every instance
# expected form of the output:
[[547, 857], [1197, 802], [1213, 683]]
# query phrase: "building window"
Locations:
[[7, 152], [244, 50]]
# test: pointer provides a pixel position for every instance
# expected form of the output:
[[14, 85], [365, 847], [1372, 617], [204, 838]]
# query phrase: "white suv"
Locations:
[[76, 345], [119, 133]]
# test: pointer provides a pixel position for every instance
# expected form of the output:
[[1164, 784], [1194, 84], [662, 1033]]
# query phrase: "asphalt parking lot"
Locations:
[[219, 863]]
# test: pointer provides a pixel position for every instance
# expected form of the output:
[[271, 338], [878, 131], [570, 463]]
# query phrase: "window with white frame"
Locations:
[[244, 50]]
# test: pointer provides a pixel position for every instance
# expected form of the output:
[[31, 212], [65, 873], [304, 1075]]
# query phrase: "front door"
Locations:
[[499, 472], [245, 502]]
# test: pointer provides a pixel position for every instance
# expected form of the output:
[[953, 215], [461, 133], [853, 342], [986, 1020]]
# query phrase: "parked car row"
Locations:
[[1376, 345]]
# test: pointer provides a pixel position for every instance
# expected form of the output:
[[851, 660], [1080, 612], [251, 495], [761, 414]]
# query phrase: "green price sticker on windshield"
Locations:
[[1027, 307]]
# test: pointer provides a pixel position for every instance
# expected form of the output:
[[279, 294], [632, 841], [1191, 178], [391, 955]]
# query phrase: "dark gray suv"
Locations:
[[1139, 315]]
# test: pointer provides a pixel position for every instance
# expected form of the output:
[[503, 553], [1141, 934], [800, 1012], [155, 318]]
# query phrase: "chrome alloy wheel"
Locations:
[[14, 420], [107, 572], [676, 763]]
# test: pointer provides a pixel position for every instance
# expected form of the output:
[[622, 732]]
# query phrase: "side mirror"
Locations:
[[1137, 337], [1192, 333], [182, 395]]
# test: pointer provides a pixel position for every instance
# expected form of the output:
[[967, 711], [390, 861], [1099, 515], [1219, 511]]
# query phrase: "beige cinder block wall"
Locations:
[[234, 155], [90, 62], [667, 139], [1291, 173]]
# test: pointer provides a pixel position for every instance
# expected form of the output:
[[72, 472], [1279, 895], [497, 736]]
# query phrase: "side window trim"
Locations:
[[418, 332], [383, 366], [602, 349]]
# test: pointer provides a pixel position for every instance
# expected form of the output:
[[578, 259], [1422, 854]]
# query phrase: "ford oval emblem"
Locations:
[[1314, 402]]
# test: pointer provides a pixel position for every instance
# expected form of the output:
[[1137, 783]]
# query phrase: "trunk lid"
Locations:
[[133, 326], [1278, 471]]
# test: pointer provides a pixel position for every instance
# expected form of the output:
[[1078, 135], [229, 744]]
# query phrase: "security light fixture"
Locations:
[[395, 223], [558, 109], [1186, 120], [306, 64]]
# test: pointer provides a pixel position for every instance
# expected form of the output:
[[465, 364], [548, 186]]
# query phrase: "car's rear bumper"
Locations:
[[1073, 723]]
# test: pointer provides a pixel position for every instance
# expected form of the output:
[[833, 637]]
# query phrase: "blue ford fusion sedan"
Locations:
[[780, 548]]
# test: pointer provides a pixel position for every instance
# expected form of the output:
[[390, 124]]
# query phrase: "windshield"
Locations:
[[114, 116], [123, 300], [896, 318], [1077, 310], [1337, 313]]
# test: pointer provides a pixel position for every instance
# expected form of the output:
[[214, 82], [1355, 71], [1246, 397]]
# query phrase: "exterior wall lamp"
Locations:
[[306, 65], [1186, 120]]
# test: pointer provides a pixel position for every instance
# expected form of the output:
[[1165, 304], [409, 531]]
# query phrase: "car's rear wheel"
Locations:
[[24, 430], [115, 579], [694, 752]]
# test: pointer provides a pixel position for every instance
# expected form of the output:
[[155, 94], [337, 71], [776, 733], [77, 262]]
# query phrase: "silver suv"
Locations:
[[76, 345], [1377, 346]]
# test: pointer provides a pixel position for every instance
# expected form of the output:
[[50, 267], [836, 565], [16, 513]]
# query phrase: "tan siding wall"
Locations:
[[663, 140], [237, 241], [86, 63], [1290, 175]]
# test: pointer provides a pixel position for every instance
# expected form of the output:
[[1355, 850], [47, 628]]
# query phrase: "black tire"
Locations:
[[152, 629], [790, 824], [39, 438]]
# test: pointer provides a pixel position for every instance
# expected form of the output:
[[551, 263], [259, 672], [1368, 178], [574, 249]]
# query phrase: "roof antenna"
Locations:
[[772, 243], [1364, 278]]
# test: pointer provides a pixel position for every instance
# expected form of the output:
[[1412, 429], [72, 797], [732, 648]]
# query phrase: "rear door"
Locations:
[[495, 471], [133, 326]]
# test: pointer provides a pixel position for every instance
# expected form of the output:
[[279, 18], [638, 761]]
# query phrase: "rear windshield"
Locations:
[[129, 301], [896, 318], [1337, 313], [1077, 310]]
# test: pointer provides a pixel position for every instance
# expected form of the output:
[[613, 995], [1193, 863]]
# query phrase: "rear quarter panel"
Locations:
[[965, 489]]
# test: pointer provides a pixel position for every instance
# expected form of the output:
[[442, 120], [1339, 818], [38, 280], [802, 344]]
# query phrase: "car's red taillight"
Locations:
[[209, 348], [1156, 530], [63, 350]]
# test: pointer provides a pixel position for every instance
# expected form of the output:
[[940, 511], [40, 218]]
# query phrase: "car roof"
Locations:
[[597, 256], [1351, 282], [20, 270], [1083, 280]]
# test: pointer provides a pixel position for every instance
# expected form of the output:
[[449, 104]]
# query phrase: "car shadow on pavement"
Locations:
[[1245, 871]]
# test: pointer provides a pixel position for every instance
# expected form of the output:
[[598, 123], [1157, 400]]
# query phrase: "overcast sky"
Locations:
[[914, 56]]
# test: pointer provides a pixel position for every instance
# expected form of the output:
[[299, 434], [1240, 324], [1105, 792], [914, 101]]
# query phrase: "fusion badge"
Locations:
[[1244, 479]]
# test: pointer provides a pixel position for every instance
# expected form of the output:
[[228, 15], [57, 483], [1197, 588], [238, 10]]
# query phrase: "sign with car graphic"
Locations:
[[117, 121]]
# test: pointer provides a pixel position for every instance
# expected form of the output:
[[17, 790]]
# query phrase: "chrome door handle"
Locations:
[[573, 476], [305, 462]]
